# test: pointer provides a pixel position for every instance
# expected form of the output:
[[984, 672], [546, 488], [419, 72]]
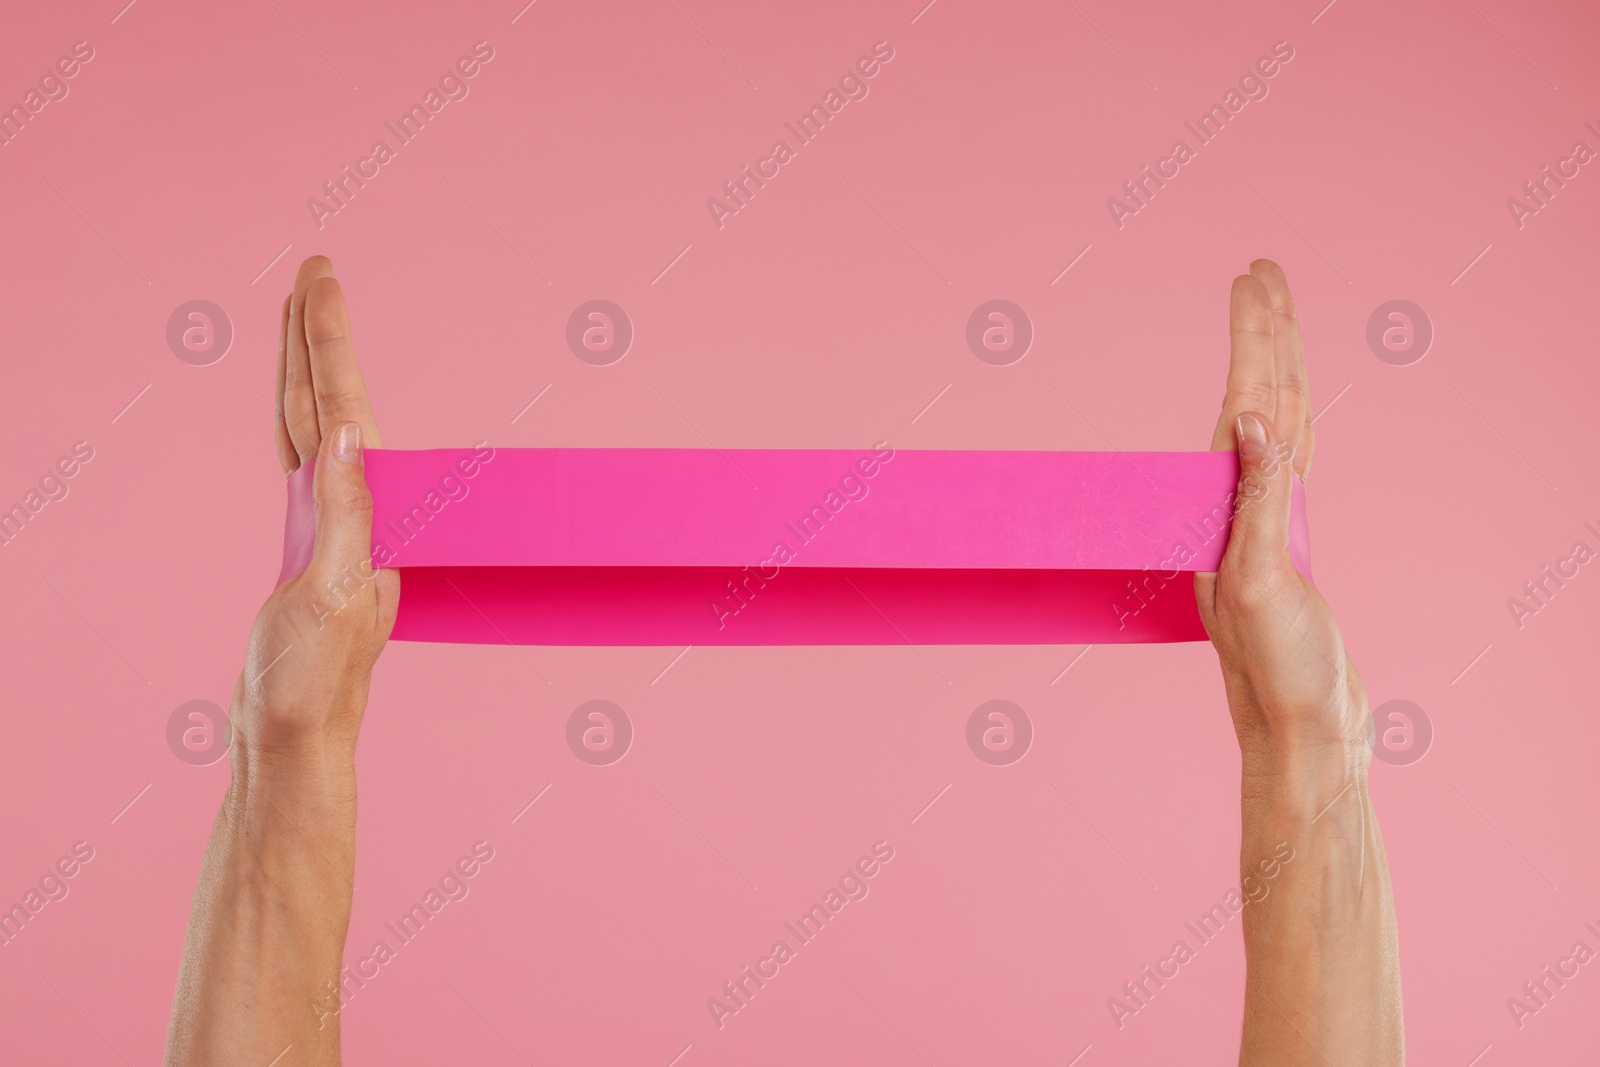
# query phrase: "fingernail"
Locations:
[[1252, 436], [347, 443]]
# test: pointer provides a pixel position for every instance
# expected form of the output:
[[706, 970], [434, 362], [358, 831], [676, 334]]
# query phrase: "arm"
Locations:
[[1321, 953], [266, 933]]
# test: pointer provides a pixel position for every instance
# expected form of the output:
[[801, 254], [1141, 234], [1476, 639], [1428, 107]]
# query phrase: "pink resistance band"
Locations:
[[640, 546]]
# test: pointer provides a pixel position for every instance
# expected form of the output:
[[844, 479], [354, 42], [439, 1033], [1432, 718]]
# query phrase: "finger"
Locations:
[[342, 551], [1292, 417], [1251, 363], [1258, 542], [340, 392], [288, 458], [1305, 450], [299, 402], [1251, 377]]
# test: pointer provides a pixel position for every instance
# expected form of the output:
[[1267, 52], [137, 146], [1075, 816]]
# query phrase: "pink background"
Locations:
[[828, 313]]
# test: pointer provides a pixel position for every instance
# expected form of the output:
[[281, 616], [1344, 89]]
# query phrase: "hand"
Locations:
[[1289, 680], [305, 681], [1322, 978], [262, 958]]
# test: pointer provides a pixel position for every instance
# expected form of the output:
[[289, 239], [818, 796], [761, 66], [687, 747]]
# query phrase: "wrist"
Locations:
[[311, 780], [1292, 784], [291, 736]]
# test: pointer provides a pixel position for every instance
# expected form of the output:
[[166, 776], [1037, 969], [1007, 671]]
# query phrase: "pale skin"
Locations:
[[267, 929], [1322, 965], [270, 914]]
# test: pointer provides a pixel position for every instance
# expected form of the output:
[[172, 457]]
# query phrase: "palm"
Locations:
[[1282, 654], [317, 636]]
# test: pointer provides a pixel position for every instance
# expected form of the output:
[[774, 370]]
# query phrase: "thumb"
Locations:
[[342, 550], [1258, 544]]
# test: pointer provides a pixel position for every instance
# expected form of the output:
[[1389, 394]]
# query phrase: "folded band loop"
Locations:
[[763, 546]]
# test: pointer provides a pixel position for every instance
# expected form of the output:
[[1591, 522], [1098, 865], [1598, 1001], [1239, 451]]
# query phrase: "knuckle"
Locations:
[[334, 599], [1246, 592], [1250, 396], [339, 505], [358, 500], [323, 327], [1235, 599], [341, 403], [1291, 380], [297, 597]]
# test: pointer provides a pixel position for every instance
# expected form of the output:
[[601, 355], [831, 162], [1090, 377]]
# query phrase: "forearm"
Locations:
[[1321, 958], [266, 933]]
